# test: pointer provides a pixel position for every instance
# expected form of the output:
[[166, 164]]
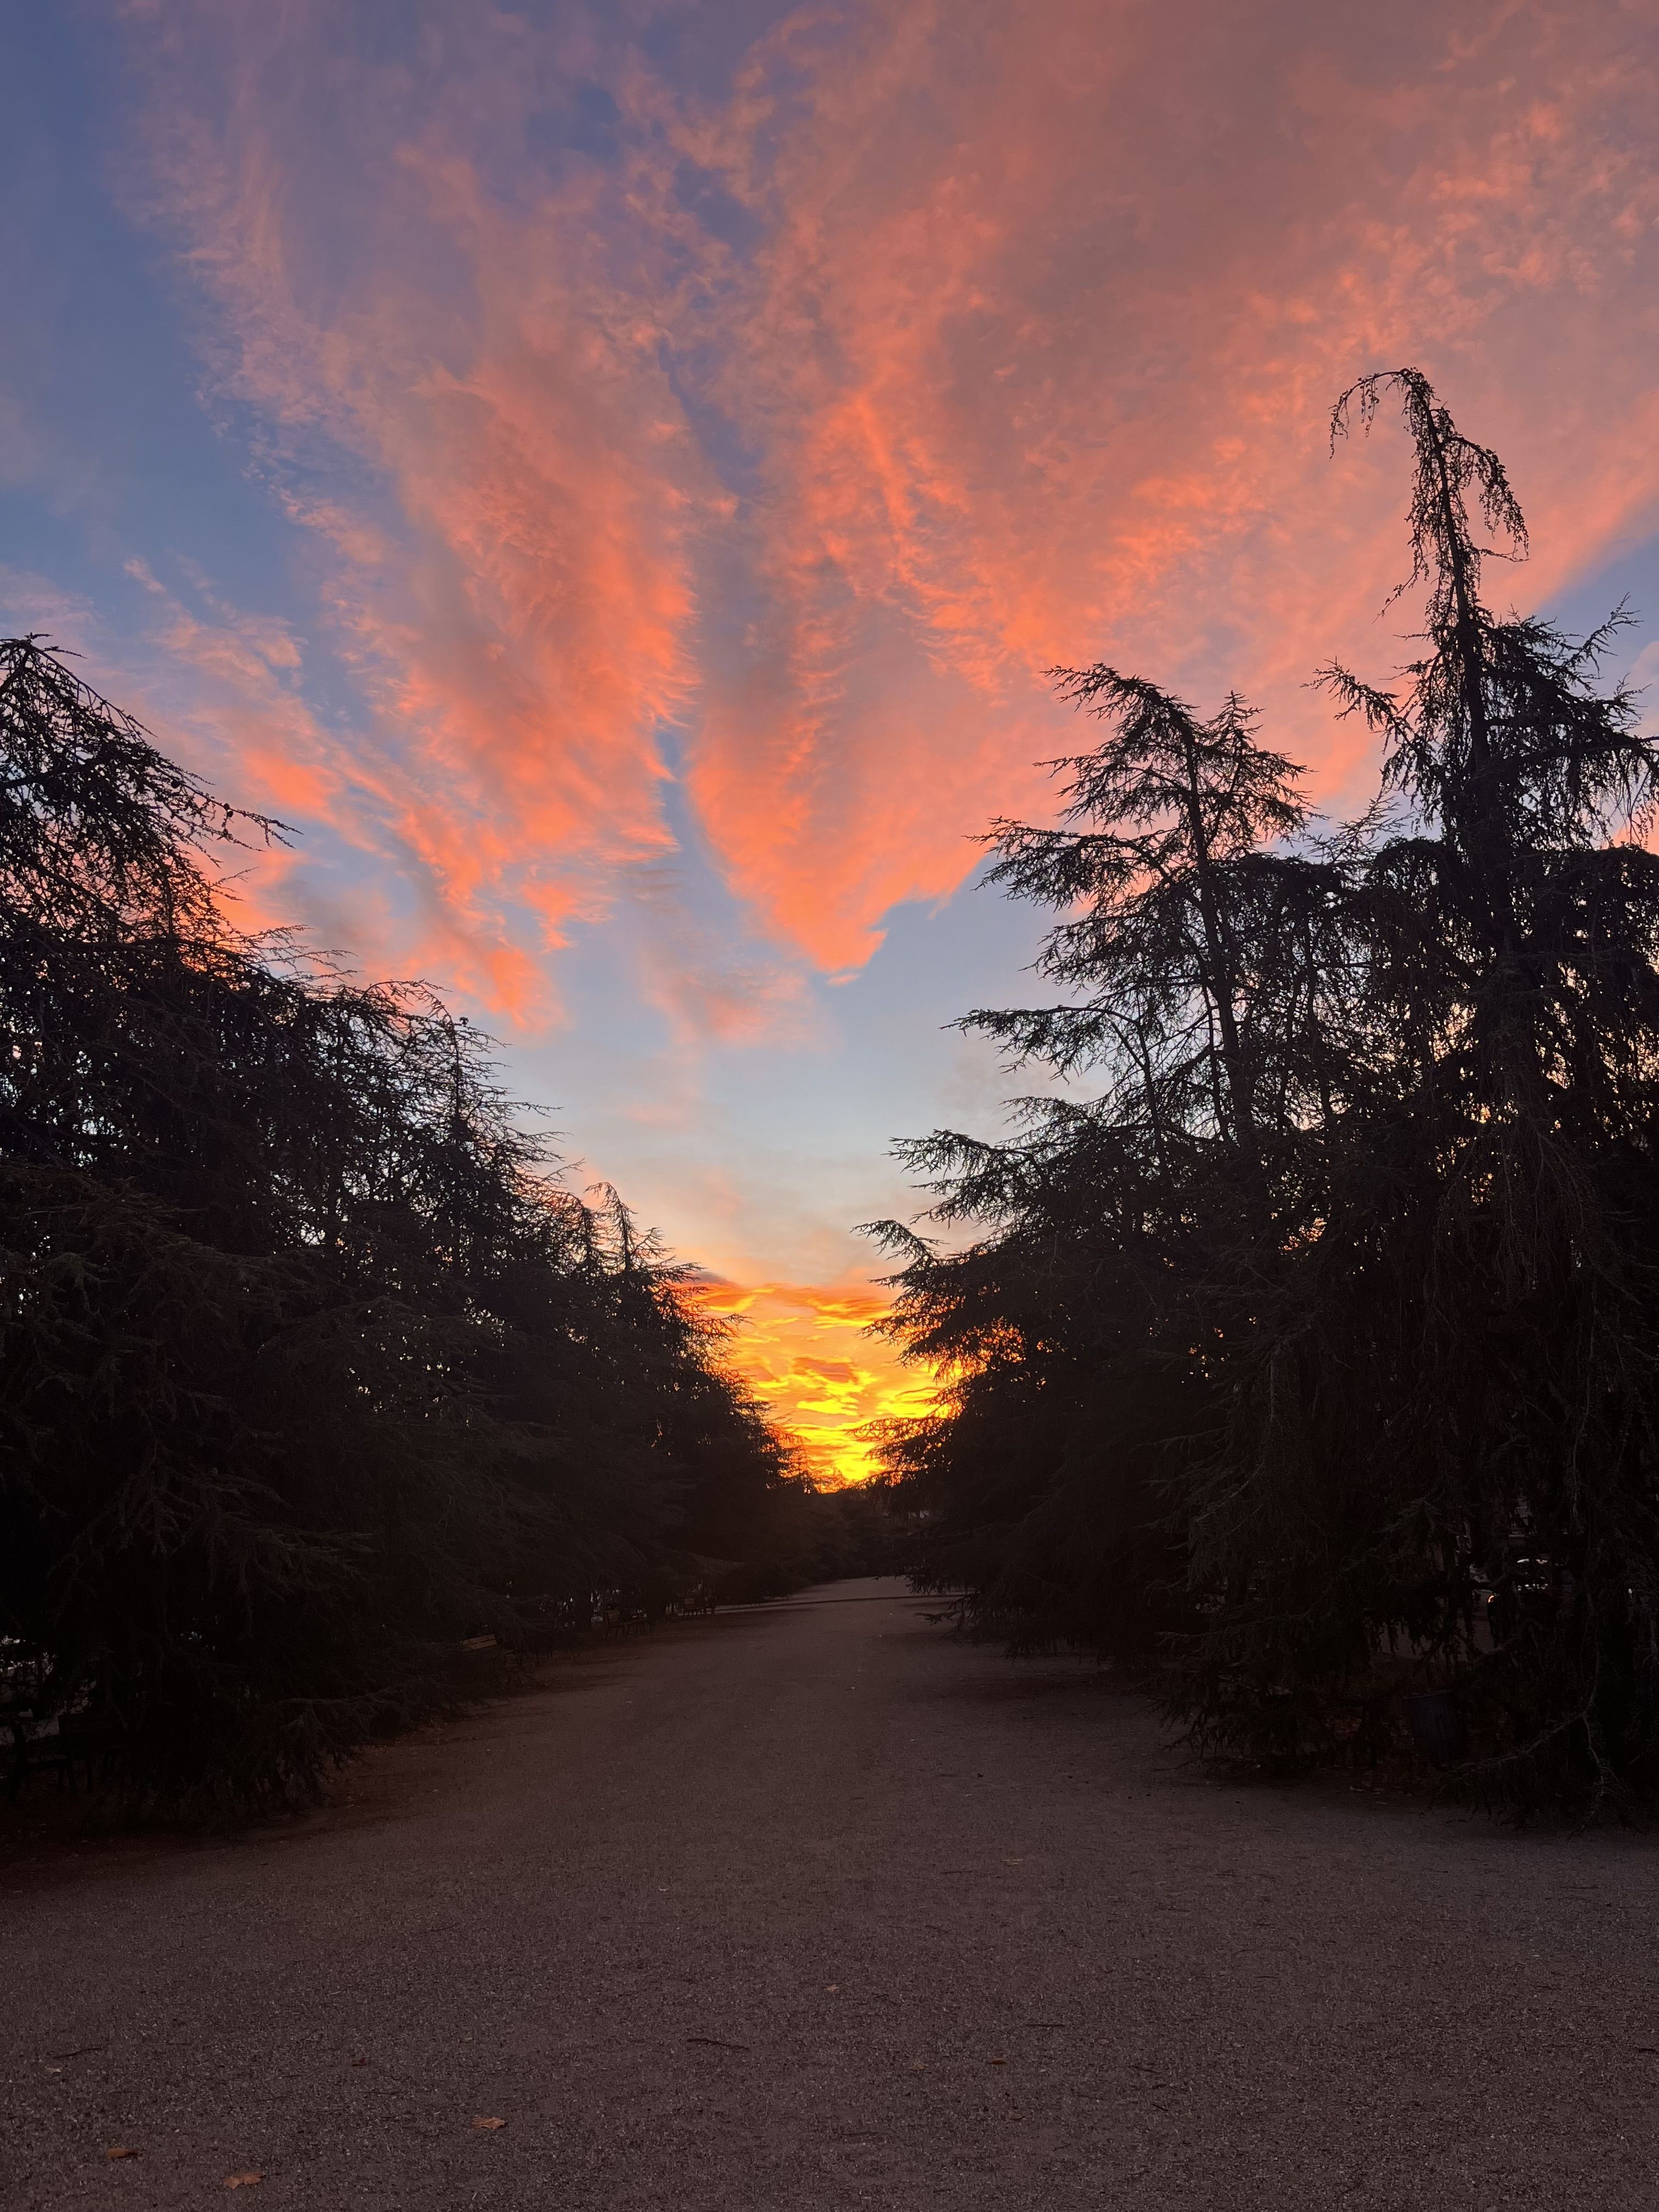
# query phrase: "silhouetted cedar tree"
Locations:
[[1322, 1336], [309, 1368]]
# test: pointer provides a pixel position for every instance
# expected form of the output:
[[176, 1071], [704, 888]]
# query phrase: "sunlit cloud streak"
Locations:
[[816, 417], [504, 519], [1050, 309]]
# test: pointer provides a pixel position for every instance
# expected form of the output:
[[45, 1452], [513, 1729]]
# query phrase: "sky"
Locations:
[[614, 479]]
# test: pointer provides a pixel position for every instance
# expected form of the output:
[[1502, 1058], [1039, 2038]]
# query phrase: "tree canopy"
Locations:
[[311, 1365], [1315, 1350]]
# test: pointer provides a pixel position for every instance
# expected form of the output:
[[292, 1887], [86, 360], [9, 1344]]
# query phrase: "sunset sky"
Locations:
[[612, 478]]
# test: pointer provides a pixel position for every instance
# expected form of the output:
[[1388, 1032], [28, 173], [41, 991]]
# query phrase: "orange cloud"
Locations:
[[230, 687], [821, 413], [514, 599], [804, 1352], [1053, 304]]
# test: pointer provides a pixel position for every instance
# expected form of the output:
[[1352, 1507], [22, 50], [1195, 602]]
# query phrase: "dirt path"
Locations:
[[811, 1908]]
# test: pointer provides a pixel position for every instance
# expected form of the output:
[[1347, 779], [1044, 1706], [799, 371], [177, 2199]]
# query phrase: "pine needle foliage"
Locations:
[[310, 1365], [1319, 1350]]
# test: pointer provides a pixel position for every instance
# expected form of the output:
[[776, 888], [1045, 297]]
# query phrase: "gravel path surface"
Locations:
[[813, 1907]]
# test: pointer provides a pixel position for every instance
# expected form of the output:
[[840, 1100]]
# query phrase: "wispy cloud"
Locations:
[[815, 418], [1037, 353]]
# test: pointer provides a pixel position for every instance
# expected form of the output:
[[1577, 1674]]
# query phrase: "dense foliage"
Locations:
[[1317, 1348], [309, 1369]]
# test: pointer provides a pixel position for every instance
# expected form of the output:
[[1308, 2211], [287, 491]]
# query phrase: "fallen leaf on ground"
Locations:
[[998, 2062], [120, 2150], [242, 2180], [481, 2123]]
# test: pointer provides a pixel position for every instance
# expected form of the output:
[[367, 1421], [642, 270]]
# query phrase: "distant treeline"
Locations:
[[309, 1371], [1314, 1348]]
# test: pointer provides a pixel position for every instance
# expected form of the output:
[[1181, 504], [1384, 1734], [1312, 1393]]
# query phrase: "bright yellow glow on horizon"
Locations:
[[804, 1352]]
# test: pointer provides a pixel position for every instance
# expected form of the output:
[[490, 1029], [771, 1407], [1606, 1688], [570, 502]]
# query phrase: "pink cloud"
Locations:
[[1051, 309], [1023, 355]]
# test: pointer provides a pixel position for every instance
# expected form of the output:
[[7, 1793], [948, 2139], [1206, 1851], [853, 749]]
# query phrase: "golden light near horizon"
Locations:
[[808, 1356]]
